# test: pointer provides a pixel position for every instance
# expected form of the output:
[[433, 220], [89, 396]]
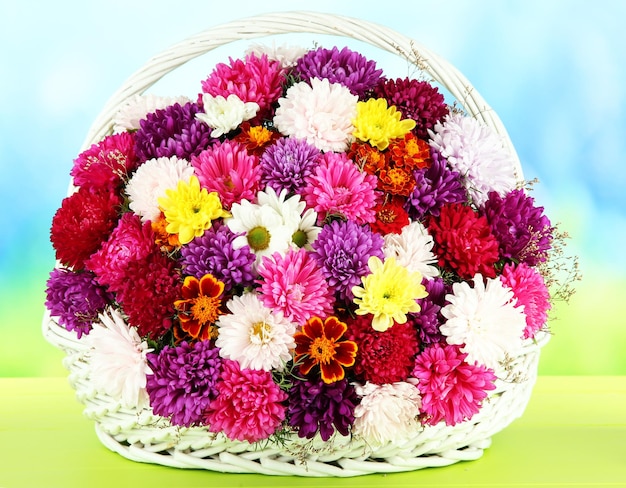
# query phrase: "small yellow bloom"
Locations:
[[388, 293], [378, 124], [189, 209]]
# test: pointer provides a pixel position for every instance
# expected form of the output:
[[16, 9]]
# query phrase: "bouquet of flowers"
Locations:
[[306, 249]]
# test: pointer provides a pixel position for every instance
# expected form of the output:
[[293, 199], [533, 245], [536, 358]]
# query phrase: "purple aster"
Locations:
[[183, 381], [434, 186], [342, 249], [428, 319], [286, 164], [523, 231], [213, 253], [416, 100], [316, 406], [75, 298], [173, 131], [346, 67]]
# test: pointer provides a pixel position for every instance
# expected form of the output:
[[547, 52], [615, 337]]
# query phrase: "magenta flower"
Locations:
[[531, 292], [452, 390], [294, 284], [184, 381], [248, 405], [346, 67], [338, 188], [228, 169], [254, 79]]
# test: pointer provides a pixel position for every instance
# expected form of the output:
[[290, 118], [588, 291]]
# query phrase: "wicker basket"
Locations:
[[144, 437]]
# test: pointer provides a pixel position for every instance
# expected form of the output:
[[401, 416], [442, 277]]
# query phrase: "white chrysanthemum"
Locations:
[[286, 55], [137, 107], [151, 180], [254, 335], [225, 114], [478, 153], [387, 413], [118, 360], [320, 113], [413, 249], [485, 320], [263, 229]]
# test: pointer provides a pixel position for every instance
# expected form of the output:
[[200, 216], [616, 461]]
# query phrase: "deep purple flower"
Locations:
[[416, 100], [523, 231], [342, 249], [346, 67], [213, 253], [75, 298], [287, 163], [316, 406], [434, 186], [173, 131], [183, 382], [429, 318]]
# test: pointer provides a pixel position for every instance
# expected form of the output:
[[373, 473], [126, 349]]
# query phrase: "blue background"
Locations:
[[554, 71]]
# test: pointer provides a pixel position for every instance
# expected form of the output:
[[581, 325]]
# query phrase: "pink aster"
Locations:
[[294, 284], [531, 292], [338, 187], [254, 79], [452, 390], [248, 404], [228, 169]]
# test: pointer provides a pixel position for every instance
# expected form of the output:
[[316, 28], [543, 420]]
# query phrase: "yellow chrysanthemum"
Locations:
[[378, 124], [388, 293], [189, 209]]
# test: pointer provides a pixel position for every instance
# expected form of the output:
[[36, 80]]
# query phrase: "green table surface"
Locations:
[[573, 433]]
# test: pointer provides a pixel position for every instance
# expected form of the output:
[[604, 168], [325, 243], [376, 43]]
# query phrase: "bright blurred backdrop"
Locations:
[[554, 71]]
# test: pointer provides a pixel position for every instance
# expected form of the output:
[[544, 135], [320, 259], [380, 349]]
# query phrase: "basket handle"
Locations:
[[303, 22]]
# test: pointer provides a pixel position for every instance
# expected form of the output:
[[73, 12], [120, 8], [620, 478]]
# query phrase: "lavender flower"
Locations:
[[342, 249], [286, 164], [316, 406], [427, 321], [346, 67], [76, 299], [434, 186], [523, 232], [173, 131], [184, 381], [214, 253]]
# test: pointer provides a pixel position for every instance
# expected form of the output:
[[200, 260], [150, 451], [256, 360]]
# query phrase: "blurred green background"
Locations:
[[555, 72]]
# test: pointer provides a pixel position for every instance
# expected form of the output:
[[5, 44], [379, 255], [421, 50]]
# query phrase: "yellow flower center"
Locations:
[[260, 332], [205, 309], [260, 135], [322, 350]]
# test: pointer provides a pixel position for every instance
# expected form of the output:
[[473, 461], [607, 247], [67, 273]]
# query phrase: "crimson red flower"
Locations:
[[384, 357], [390, 217], [82, 223], [319, 344], [463, 241], [200, 306]]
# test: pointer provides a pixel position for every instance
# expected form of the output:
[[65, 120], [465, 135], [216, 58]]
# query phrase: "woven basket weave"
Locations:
[[145, 437]]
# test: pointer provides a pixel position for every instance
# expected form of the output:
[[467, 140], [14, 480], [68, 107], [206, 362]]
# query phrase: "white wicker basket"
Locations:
[[142, 436]]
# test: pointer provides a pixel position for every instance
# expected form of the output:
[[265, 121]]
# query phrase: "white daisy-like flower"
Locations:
[[387, 413], [136, 108], [254, 335], [263, 229], [478, 153], [225, 114], [484, 320], [305, 231], [151, 180], [118, 365], [286, 54], [320, 113], [413, 249]]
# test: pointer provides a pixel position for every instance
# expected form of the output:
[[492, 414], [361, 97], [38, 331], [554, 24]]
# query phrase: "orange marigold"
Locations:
[[410, 152], [397, 181], [200, 306], [368, 158], [256, 137]]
